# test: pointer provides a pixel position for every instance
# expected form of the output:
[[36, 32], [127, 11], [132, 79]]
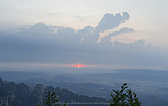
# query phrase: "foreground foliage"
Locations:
[[124, 97], [52, 99]]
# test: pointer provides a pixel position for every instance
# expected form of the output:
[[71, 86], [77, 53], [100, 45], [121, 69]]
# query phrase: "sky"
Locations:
[[118, 34]]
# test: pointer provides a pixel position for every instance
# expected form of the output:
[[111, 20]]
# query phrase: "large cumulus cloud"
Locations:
[[109, 21]]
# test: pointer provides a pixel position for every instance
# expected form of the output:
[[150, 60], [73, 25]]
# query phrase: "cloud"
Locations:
[[106, 39], [84, 33], [88, 30], [38, 43], [126, 16], [39, 28], [110, 21], [80, 18], [66, 32], [121, 31]]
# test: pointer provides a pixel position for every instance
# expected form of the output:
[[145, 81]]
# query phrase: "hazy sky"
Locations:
[[120, 33]]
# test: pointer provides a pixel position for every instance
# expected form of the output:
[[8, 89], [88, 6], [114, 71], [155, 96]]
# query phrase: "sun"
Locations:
[[78, 65]]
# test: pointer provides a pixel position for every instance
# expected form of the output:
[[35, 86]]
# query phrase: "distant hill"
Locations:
[[12, 94]]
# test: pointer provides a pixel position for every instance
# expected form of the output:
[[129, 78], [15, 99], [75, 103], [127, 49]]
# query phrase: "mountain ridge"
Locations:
[[21, 95]]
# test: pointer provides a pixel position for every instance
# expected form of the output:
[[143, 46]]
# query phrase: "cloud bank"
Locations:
[[39, 44]]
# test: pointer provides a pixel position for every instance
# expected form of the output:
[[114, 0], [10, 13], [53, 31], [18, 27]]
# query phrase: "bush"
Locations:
[[124, 97], [52, 99]]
